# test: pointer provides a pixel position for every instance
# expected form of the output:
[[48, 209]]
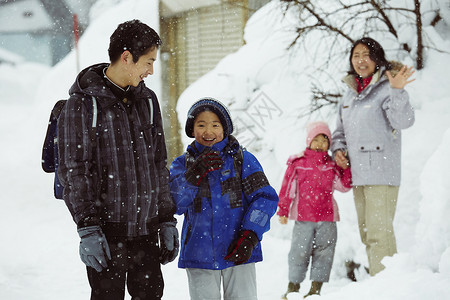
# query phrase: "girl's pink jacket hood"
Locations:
[[307, 190]]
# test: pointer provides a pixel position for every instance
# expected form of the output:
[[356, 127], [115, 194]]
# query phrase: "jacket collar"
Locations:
[[379, 76], [349, 79], [319, 156], [228, 145], [91, 82]]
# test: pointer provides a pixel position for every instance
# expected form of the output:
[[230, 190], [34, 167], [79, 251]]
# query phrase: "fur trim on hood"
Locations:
[[379, 75]]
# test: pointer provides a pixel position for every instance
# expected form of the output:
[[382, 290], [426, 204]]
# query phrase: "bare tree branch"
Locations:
[[337, 22], [321, 23], [419, 57], [384, 17]]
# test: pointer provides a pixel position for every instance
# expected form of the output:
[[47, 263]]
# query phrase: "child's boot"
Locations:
[[315, 289], [292, 288]]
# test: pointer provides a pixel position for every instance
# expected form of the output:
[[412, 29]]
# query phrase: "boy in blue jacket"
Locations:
[[227, 204]]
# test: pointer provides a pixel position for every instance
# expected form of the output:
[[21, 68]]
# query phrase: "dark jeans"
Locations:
[[134, 261]]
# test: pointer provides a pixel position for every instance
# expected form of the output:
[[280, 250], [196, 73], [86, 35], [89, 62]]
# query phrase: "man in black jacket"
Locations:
[[116, 183]]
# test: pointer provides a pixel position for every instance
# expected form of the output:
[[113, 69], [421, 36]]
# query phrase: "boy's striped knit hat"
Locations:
[[213, 105]]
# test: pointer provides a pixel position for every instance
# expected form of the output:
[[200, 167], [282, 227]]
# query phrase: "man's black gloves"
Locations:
[[168, 236], [94, 249], [207, 161], [240, 250]]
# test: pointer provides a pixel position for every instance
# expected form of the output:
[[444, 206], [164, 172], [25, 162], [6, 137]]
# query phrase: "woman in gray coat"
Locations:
[[372, 114]]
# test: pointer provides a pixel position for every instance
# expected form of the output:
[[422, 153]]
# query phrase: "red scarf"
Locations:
[[361, 85]]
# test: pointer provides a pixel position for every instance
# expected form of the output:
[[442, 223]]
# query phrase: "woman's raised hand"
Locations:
[[402, 78]]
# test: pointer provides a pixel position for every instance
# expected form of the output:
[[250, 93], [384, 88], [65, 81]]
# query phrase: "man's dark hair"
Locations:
[[376, 53], [134, 36]]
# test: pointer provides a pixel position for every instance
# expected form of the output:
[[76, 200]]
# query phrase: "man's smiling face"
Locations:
[[142, 68]]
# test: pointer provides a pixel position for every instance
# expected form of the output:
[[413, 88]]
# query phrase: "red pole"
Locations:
[[76, 33]]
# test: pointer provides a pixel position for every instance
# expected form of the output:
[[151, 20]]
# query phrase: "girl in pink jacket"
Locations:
[[306, 196]]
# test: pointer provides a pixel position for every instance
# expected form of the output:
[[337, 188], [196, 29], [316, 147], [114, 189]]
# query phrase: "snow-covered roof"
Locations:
[[24, 16], [37, 15], [173, 7]]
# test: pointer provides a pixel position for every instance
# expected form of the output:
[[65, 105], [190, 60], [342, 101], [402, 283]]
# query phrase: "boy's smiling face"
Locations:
[[207, 129]]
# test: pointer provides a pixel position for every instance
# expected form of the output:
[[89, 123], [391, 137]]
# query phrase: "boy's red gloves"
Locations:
[[240, 250], [206, 162]]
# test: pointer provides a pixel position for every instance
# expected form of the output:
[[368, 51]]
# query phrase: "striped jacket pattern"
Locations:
[[120, 178]]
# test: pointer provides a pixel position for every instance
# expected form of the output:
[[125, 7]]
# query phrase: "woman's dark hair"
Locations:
[[134, 36], [376, 53]]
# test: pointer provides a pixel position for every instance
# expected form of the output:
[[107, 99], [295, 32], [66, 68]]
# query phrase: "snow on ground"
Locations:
[[39, 253]]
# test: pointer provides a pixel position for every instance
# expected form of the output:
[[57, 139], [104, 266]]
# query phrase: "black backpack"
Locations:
[[50, 148]]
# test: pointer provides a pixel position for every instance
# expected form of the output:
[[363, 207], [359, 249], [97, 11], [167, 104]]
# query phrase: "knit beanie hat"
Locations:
[[315, 128], [213, 105]]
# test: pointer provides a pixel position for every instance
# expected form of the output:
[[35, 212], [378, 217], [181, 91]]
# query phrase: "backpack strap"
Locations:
[[147, 128], [150, 106], [93, 120]]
